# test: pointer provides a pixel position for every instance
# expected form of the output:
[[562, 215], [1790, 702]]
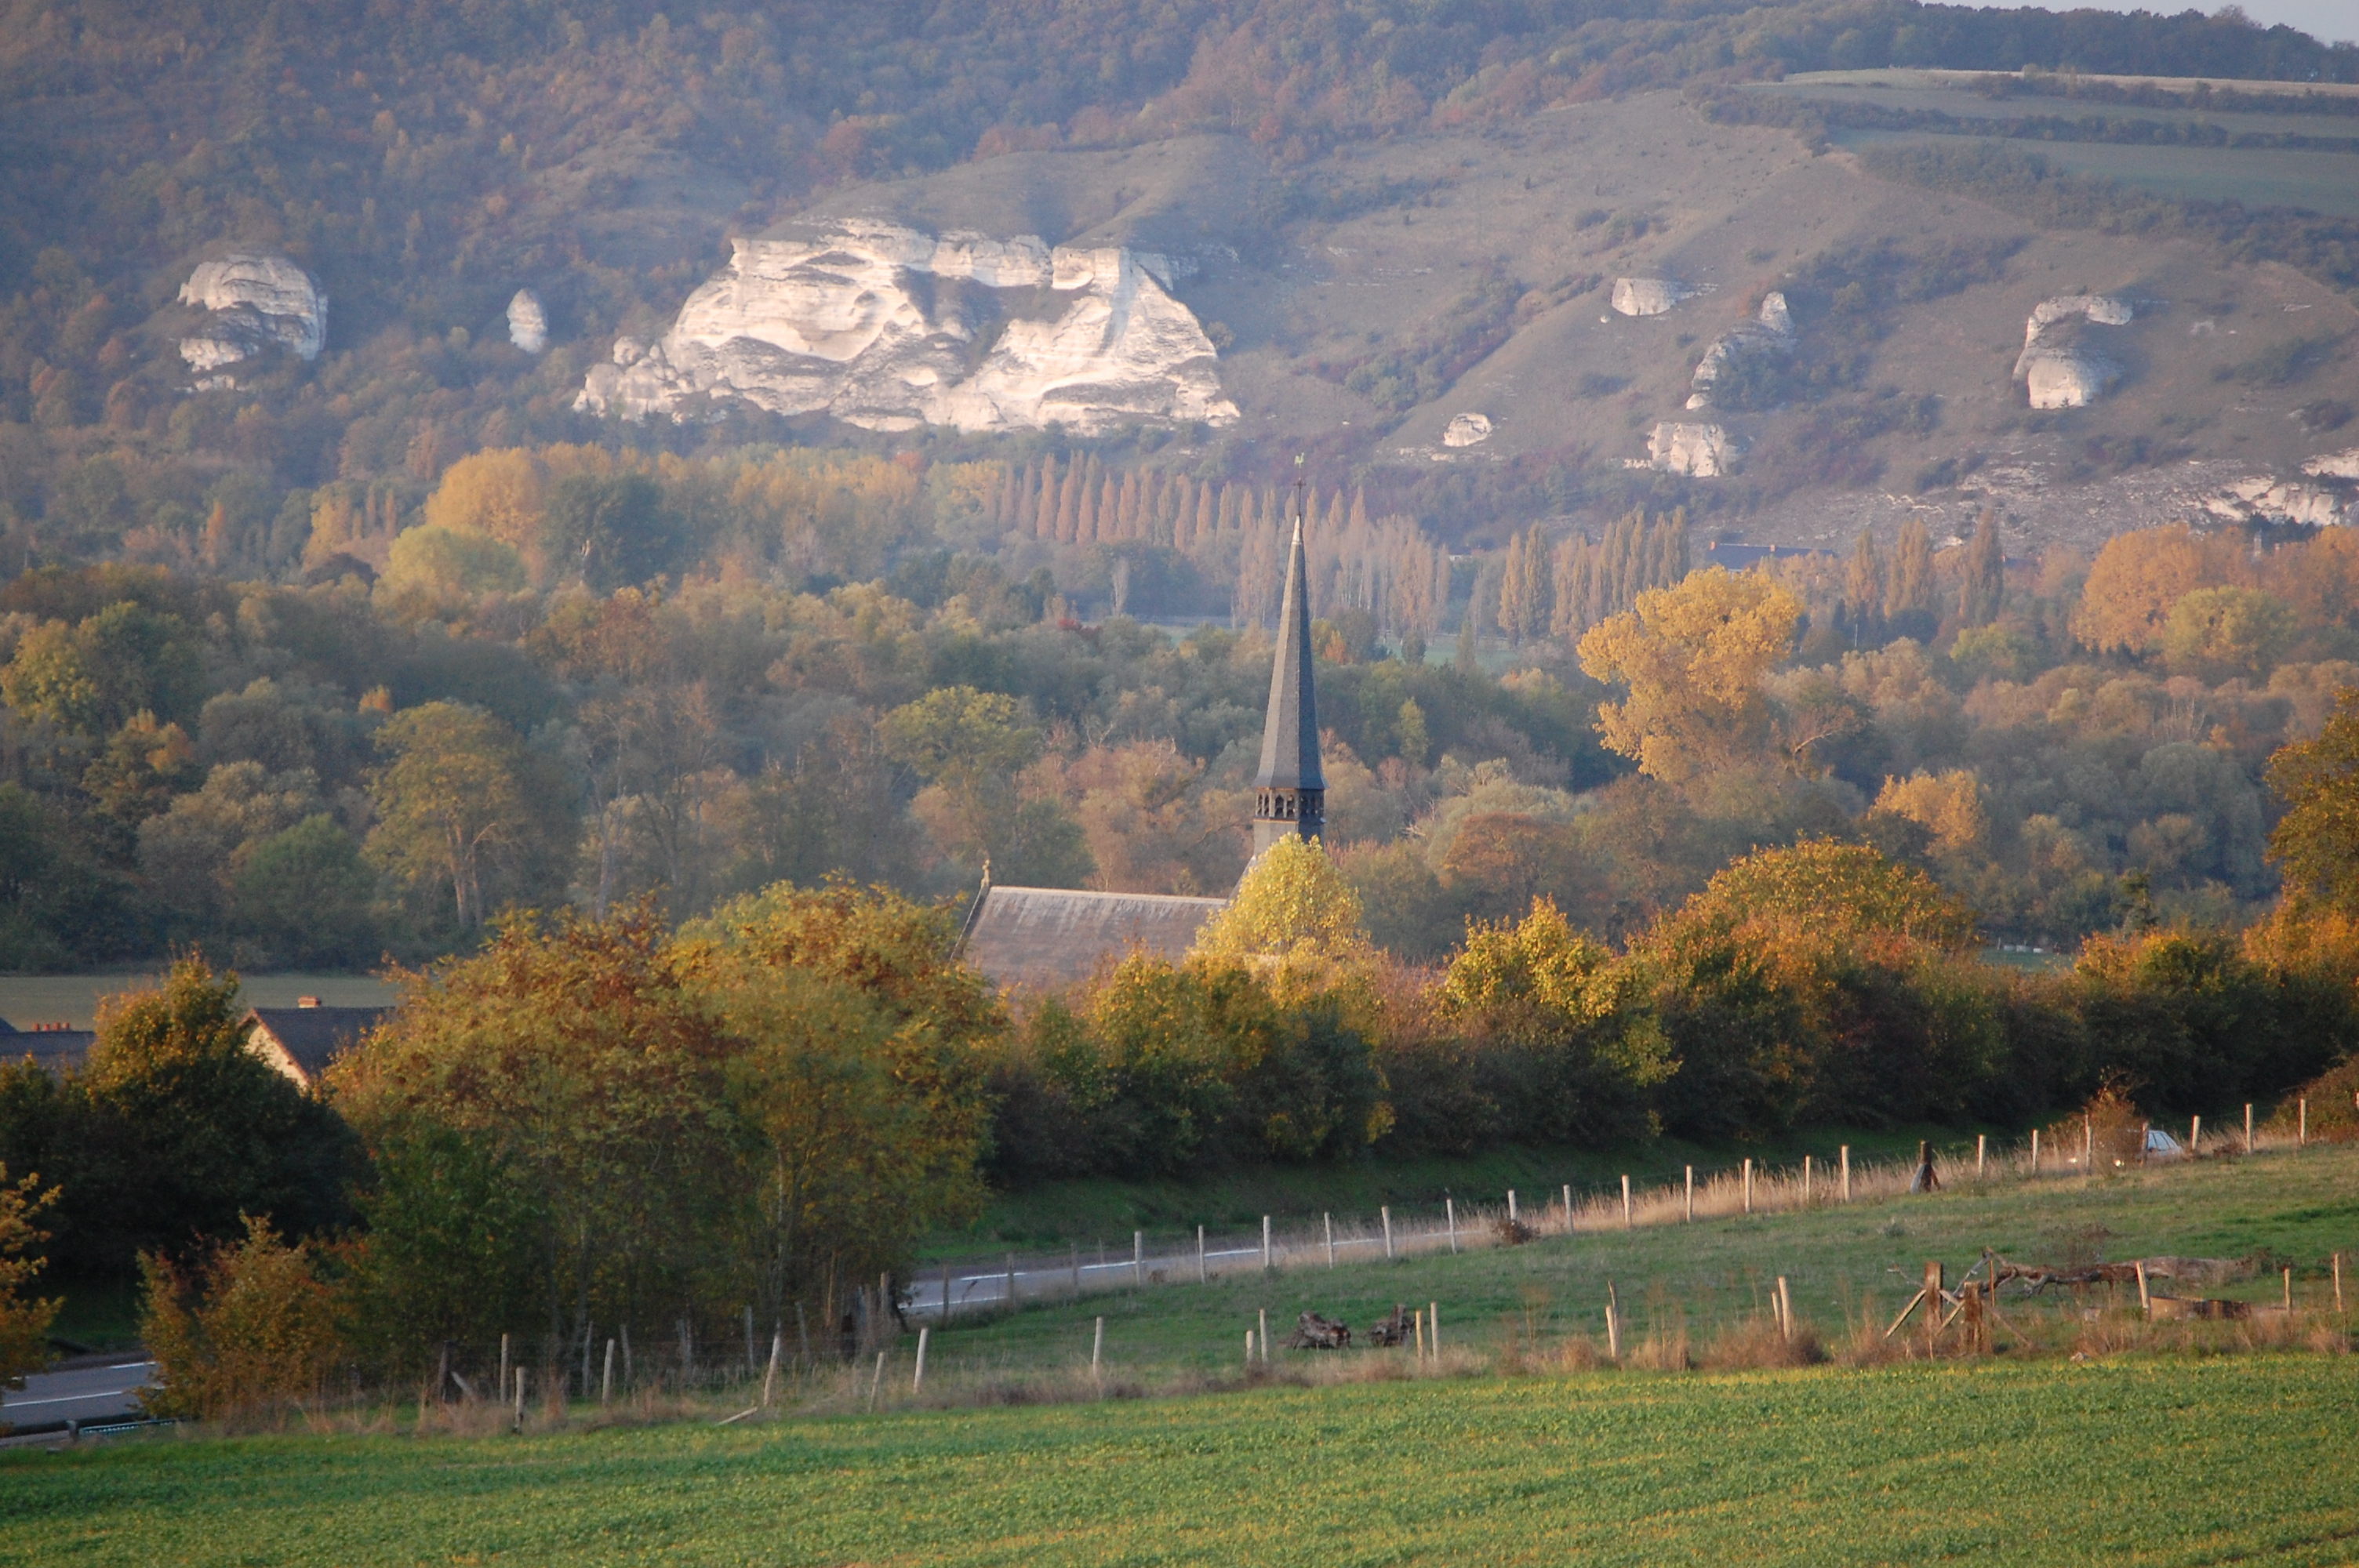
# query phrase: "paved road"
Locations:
[[99, 1391]]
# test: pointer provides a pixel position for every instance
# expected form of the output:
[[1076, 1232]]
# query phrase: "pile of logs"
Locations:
[[1313, 1331], [1394, 1331]]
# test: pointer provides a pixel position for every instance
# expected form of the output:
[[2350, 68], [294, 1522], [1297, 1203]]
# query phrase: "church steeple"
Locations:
[[1290, 791]]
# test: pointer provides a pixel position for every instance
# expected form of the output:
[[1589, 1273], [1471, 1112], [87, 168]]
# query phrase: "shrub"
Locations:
[[251, 1327]]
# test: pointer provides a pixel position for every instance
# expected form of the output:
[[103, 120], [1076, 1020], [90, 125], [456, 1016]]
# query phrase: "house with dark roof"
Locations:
[[300, 1041], [57, 1047], [1048, 939]]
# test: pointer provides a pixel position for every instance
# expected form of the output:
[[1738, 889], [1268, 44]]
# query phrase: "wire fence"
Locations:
[[1014, 1279]]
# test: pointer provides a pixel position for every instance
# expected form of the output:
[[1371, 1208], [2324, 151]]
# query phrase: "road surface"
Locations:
[[99, 1390]]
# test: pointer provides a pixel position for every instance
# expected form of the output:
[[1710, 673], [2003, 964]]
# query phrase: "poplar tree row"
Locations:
[[1565, 588]]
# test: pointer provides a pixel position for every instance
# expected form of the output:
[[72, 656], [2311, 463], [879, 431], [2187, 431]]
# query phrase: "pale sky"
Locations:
[[2325, 20]]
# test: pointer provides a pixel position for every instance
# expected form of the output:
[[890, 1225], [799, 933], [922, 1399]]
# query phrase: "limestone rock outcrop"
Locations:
[[2334, 465], [884, 326], [2262, 500], [1770, 331], [2059, 367], [1701, 452], [1649, 296], [527, 322], [1467, 430], [255, 301]]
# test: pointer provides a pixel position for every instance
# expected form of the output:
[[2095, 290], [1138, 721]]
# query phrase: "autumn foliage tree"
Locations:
[[1692, 658], [23, 1319]]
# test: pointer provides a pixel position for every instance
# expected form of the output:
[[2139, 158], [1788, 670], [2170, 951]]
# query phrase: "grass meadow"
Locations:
[[2153, 1461], [2093, 1434]]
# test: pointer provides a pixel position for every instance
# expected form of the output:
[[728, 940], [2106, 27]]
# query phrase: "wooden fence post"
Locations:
[[2145, 1296], [519, 1400], [1265, 1335], [1748, 1184], [1982, 1151], [1568, 1208], [1613, 1324], [917, 1382], [1806, 1180], [2088, 1145], [1433, 1328], [1627, 1222], [1265, 1253], [1511, 1205], [2301, 1136], [1329, 1221], [1248, 1349], [1097, 1348], [876, 1384], [1691, 1194], [2288, 1290], [2248, 1127], [2194, 1136], [1846, 1173], [1388, 1232], [1450, 1212], [2035, 1151], [607, 1383], [769, 1376], [1138, 1259], [1785, 1309], [1417, 1318], [1201, 1275], [2338, 1284]]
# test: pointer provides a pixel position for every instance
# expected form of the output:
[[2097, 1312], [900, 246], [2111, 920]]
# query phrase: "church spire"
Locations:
[[1290, 791]]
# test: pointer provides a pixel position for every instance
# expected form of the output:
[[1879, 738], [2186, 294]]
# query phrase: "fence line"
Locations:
[[1334, 1241]]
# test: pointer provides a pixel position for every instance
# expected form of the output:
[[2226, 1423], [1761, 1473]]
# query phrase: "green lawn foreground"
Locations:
[[2143, 1461]]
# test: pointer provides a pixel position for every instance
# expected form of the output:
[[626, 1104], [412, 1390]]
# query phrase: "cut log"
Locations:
[[1394, 1331]]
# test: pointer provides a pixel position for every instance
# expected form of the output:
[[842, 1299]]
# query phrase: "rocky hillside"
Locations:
[[1495, 263]]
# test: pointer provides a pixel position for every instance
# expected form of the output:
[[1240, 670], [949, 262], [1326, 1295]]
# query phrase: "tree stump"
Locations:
[[1394, 1331], [1313, 1331]]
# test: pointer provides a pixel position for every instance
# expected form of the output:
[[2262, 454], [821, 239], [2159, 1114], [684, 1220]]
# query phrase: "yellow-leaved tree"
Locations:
[[24, 1321], [1693, 657], [1295, 920]]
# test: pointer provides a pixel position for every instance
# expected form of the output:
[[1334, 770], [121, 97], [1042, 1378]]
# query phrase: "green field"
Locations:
[[2123, 1455], [2151, 1463]]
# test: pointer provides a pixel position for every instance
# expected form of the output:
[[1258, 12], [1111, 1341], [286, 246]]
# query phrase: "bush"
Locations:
[[249, 1327]]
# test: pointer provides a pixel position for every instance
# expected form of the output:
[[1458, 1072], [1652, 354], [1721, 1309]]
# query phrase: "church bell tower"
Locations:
[[1290, 791]]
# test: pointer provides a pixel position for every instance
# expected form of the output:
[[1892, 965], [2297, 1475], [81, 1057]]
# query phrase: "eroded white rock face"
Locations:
[[2261, 500], [1649, 296], [1467, 430], [1770, 331], [884, 326], [2060, 370], [1702, 451], [527, 322], [2334, 465], [256, 301]]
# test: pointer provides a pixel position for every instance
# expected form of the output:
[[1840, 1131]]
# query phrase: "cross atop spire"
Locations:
[[1289, 790]]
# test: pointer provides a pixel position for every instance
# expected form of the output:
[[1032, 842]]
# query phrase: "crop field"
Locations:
[[2157, 1462], [2321, 181]]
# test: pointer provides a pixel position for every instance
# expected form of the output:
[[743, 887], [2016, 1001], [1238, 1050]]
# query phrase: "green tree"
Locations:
[[2220, 633], [306, 896], [1982, 591], [461, 808], [2317, 841], [612, 529], [251, 1325], [91, 677], [972, 745], [190, 1130]]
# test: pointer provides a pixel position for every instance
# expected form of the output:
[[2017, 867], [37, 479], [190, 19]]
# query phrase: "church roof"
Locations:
[[1289, 736], [1046, 939]]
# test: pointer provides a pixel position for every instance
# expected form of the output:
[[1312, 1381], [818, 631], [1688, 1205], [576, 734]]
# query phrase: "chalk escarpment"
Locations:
[[884, 326], [528, 321], [1770, 331], [2059, 368], [255, 301], [1649, 296], [1701, 452]]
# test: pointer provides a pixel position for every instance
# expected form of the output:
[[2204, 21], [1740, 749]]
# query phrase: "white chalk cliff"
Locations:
[[1771, 331], [2334, 465], [1467, 430], [884, 326], [1702, 451], [255, 301], [527, 322], [2058, 368], [1649, 296], [2262, 500]]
